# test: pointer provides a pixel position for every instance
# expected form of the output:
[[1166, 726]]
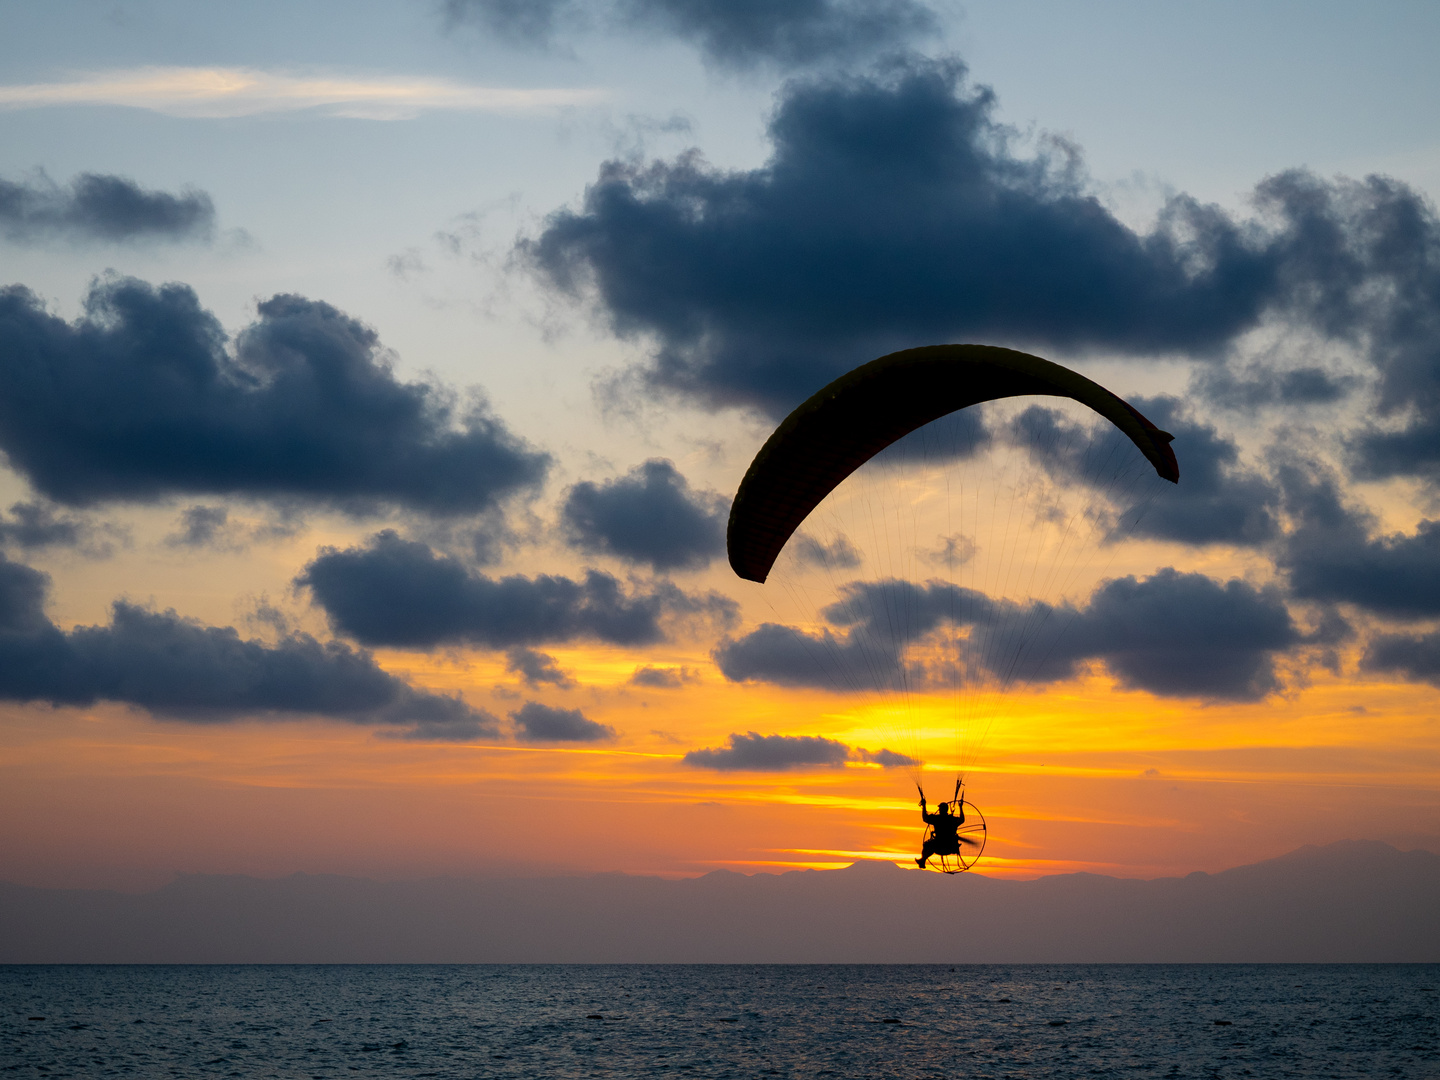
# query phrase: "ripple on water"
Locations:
[[721, 1021]]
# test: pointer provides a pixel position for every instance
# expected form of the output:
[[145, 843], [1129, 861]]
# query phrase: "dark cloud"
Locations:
[[775, 753], [139, 399], [892, 212], [1415, 656], [872, 626], [1186, 635], [177, 668], [1258, 386], [956, 437], [1361, 263], [200, 527], [1332, 555], [98, 207], [788, 656], [213, 528], [1172, 634], [895, 211], [401, 593], [871, 629], [662, 678], [542, 723], [887, 759], [1216, 502], [31, 525], [536, 668], [770, 753], [731, 33], [952, 551], [838, 554], [742, 33], [648, 516]]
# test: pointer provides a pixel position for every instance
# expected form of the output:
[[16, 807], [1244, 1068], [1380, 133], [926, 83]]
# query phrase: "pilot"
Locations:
[[944, 831]]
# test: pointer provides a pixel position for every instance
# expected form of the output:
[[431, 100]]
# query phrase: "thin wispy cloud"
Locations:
[[216, 92]]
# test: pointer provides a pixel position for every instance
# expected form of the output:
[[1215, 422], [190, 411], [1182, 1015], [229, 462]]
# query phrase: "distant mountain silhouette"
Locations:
[[1353, 901]]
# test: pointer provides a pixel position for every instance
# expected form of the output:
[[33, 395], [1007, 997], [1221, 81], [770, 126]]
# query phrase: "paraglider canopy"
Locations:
[[858, 415]]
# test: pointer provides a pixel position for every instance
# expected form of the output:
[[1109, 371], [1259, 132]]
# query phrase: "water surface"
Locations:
[[721, 1021]]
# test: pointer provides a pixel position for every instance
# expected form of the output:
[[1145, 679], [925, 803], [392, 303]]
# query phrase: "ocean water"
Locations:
[[721, 1021]]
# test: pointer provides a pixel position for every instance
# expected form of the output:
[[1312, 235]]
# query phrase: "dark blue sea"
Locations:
[[721, 1021]]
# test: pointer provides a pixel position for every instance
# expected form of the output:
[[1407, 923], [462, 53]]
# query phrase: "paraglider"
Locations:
[[876, 459], [847, 423]]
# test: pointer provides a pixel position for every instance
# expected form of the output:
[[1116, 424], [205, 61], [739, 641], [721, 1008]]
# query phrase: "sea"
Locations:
[[561, 1021]]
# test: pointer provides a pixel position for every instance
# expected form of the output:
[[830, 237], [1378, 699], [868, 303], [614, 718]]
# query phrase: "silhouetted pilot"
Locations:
[[944, 832]]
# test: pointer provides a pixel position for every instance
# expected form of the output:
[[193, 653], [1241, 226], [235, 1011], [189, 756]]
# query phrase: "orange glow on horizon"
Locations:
[[1080, 776]]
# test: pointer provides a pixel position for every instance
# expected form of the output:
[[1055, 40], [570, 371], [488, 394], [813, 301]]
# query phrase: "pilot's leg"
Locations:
[[926, 850]]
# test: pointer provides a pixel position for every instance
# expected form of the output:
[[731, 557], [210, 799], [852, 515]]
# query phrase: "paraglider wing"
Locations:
[[848, 422]]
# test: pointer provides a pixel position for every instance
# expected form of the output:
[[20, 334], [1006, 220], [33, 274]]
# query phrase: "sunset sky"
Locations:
[[375, 378]]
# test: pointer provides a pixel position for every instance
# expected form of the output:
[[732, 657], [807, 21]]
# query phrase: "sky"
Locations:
[[375, 379]]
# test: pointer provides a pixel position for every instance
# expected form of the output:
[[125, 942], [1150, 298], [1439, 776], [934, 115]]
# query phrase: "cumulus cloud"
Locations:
[[1415, 656], [770, 753], [1186, 635], [838, 554], [1361, 263], [180, 669], [1257, 386], [1172, 634], [535, 722], [878, 635], [536, 668], [213, 528], [1332, 555], [648, 516], [754, 752], [33, 525], [95, 206], [759, 286], [730, 33], [1217, 501], [886, 759], [200, 527], [662, 678], [788, 656], [140, 400], [950, 551], [894, 210], [401, 593], [956, 437]]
